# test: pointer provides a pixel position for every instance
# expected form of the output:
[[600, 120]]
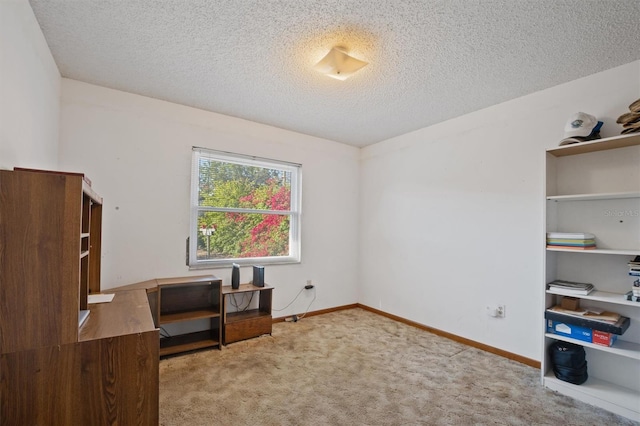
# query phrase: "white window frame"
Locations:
[[245, 160]]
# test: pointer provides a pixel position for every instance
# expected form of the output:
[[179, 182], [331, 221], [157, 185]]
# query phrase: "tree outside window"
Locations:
[[244, 210]]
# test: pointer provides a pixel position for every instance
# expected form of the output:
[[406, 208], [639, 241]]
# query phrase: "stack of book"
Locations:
[[571, 240], [634, 267], [570, 288], [634, 272]]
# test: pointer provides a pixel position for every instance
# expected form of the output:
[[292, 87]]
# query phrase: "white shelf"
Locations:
[[620, 347], [601, 296], [625, 252], [609, 396], [591, 197], [583, 182], [614, 142]]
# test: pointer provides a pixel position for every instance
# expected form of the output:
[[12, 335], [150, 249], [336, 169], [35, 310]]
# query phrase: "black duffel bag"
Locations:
[[569, 362]]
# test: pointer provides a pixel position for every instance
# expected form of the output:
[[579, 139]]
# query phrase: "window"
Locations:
[[244, 210]]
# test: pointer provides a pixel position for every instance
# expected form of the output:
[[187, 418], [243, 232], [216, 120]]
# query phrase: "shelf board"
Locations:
[[85, 235], [601, 296], [188, 281], [244, 288], [187, 342], [614, 142], [591, 197], [620, 347], [84, 254], [617, 399], [86, 189], [233, 317], [626, 252], [188, 315]]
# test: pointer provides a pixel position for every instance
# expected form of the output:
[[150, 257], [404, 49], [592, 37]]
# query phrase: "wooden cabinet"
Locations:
[[595, 187], [48, 222], [184, 301], [247, 321], [52, 370]]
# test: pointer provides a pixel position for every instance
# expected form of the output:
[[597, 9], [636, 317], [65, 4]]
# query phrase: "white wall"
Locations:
[[452, 214], [137, 152], [29, 91]]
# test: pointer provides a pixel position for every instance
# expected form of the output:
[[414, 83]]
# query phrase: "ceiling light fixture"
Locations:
[[338, 64]]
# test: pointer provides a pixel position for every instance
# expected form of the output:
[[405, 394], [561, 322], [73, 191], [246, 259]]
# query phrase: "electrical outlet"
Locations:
[[309, 285], [498, 311], [309, 282]]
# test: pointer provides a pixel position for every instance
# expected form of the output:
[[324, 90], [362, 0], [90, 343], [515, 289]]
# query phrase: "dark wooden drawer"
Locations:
[[247, 328]]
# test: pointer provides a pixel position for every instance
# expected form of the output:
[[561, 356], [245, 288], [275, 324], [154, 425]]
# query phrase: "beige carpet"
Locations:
[[354, 367]]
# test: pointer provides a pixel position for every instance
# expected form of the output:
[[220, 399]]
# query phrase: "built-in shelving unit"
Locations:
[[595, 187]]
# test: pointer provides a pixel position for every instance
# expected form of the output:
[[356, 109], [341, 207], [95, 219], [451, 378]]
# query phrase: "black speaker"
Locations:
[[258, 276], [235, 276]]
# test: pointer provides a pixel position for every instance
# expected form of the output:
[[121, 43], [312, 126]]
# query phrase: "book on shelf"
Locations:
[[563, 291], [570, 288], [571, 235], [572, 247], [555, 241]]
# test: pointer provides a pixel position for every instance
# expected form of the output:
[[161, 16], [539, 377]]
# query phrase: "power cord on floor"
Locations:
[[310, 303], [296, 318]]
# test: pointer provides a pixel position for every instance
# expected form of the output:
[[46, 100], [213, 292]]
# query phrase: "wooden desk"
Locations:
[[110, 376]]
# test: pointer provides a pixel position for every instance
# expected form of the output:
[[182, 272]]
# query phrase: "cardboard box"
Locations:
[[571, 303], [569, 330], [602, 338]]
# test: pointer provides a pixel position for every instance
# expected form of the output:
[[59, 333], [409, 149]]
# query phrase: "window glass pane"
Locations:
[[224, 235], [230, 185]]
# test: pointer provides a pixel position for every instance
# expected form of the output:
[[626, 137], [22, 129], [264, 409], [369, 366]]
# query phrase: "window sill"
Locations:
[[243, 263]]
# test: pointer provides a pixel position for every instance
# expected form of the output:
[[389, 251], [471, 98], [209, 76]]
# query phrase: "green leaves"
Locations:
[[240, 235]]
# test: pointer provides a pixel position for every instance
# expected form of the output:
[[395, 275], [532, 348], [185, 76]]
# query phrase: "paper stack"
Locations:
[[571, 240], [570, 288]]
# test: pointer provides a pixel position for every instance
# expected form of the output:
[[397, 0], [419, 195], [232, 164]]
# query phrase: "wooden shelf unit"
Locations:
[[189, 299], [247, 323], [182, 300], [54, 217], [595, 187], [53, 371]]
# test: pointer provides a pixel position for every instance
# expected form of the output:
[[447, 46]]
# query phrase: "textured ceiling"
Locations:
[[429, 60]]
